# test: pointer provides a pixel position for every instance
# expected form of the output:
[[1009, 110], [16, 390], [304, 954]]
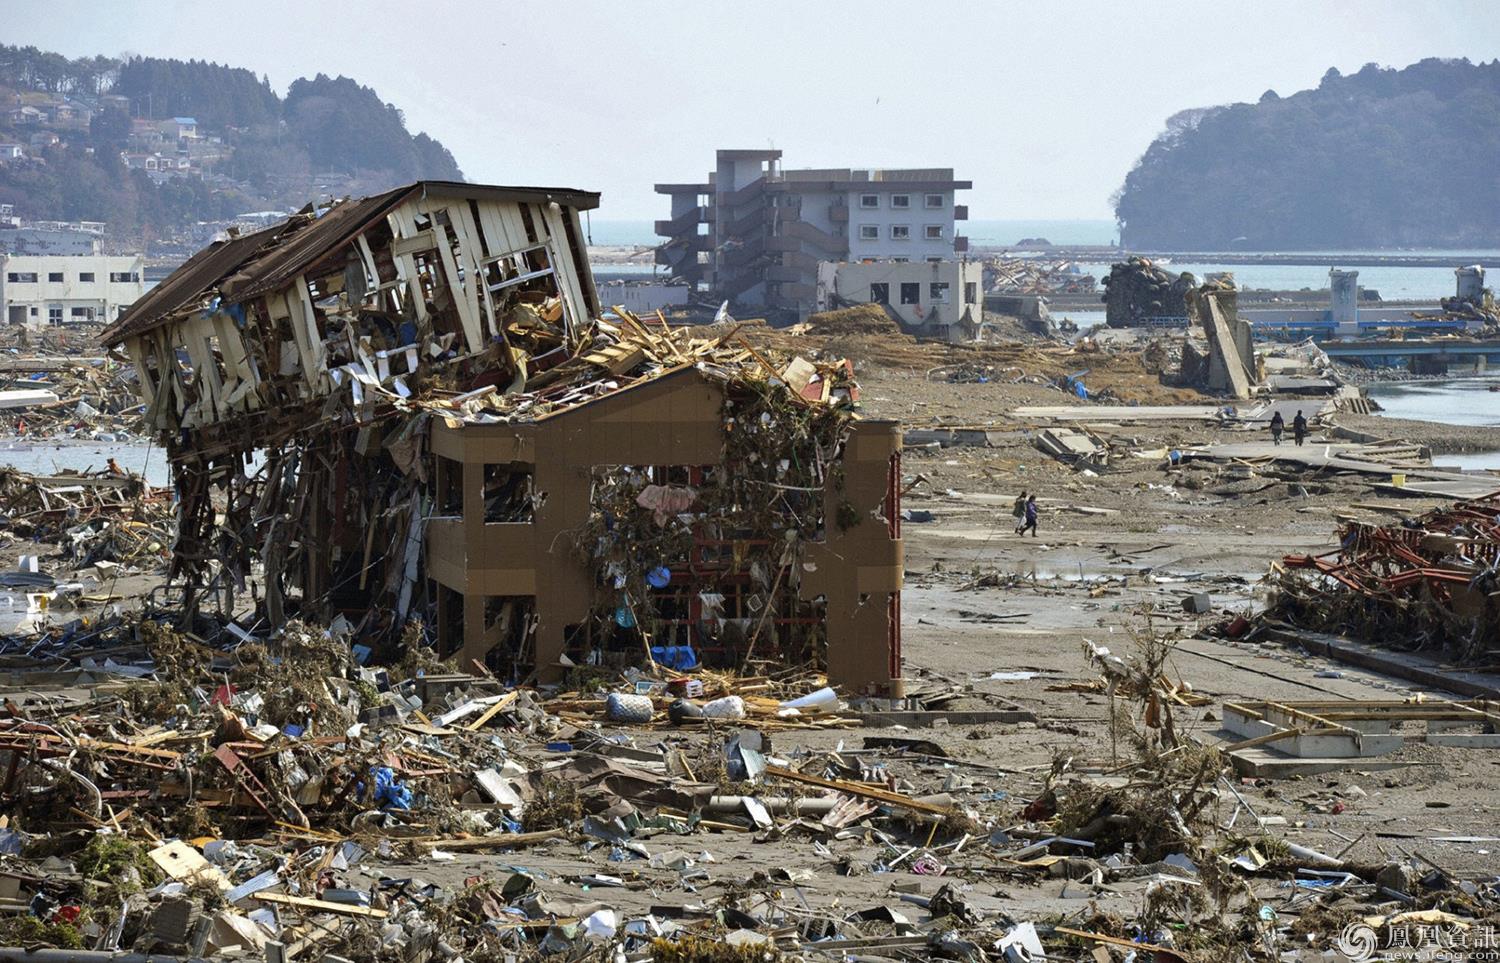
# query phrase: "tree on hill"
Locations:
[[1379, 158], [214, 95], [345, 127]]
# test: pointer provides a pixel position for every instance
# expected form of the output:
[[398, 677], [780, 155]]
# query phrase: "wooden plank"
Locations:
[[575, 305], [320, 905], [856, 789], [404, 225], [465, 298], [415, 244], [1117, 941], [491, 842], [505, 703], [473, 251], [1261, 740]]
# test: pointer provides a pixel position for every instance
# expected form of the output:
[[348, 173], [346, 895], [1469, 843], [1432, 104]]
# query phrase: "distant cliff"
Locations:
[[1381, 158], [155, 145]]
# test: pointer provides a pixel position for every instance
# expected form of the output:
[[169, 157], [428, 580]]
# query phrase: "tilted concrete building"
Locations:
[[406, 407]]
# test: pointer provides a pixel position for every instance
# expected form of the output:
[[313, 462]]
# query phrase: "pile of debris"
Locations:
[[109, 520], [1481, 308], [1430, 582], [1014, 276], [276, 798], [63, 397], [1138, 292]]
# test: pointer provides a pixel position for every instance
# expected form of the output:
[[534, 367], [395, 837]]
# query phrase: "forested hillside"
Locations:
[[1380, 158], [151, 144]]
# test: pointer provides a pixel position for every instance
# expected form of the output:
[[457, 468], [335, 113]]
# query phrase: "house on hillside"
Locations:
[[10, 152], [180, 128], [26, 116], [44, 139], [66, 113], [145, 135]]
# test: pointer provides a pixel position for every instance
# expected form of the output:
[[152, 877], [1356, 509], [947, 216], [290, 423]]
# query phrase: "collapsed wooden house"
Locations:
[[407, 407]]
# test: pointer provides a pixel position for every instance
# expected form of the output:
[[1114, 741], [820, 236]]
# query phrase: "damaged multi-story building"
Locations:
[[406, 410], [754, 233]]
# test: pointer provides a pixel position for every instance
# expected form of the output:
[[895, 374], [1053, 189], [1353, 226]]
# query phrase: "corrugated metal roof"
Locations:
[[267, 260]]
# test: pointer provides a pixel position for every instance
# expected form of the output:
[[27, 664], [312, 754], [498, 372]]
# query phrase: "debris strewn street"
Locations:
[[484, 622]]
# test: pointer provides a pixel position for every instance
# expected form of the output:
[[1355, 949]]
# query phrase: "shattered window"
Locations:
[[21, 277], [911, 293], [938, 291], [880, 293], [450, 487], [508, 493], [971, 292], [900, 232]]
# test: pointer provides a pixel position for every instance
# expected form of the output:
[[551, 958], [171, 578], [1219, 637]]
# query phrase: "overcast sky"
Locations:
[[1044, 105]]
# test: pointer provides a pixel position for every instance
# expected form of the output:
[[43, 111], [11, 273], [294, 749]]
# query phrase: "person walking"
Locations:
[[1277, 427], [1018, 511], [1299, 427], [1030, 518]]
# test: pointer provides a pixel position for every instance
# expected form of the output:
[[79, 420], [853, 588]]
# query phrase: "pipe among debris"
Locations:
[[813, 806], [775, 804], [19, 954]]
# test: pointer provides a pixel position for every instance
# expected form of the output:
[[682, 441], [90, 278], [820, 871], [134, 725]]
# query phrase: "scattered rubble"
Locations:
[[1014, 276], [1429, 582]]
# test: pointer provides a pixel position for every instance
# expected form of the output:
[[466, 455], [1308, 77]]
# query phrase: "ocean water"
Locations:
[[989, 232], [603, 231], [1453, 401], [41, 457], [1450, 401]]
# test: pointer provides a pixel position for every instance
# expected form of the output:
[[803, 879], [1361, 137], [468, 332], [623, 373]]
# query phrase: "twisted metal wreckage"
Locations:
[[408, 406], [1433, 581]]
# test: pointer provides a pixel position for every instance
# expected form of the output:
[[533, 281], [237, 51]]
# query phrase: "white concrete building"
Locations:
[[754, 232], [41, 290], [937, 299]]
